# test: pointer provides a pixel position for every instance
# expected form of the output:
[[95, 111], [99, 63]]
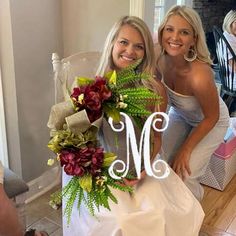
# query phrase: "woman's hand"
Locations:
[[181, 164], [132, 182]]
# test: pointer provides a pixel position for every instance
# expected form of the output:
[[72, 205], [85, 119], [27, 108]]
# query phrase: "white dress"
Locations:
[[163, 207]]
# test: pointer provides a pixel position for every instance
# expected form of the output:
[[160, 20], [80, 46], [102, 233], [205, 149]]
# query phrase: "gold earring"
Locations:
[[191, 55]]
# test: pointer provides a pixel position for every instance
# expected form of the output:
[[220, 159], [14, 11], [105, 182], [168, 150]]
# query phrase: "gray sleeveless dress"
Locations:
[[185, 114]]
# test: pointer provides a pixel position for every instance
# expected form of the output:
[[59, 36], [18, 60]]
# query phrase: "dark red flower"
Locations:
[[76, 92], [94, 95], [94, 115], [79, 170], [100, 87], [92, 100], [66, 156], [77, 162], [68, 168]]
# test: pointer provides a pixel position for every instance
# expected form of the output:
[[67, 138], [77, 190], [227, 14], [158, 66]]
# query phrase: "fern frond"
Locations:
[[124, 81], [71, 195]]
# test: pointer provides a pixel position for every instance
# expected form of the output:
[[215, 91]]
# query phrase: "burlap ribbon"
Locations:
[[64, 112]]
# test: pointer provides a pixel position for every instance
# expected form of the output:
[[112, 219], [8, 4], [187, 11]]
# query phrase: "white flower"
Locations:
[[50, 162], [81, 98], [121, 105]]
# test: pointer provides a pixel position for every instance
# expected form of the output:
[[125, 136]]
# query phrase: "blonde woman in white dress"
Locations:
[[163, 207]]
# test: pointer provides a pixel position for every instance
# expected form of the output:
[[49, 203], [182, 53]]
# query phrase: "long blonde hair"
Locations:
[[228, 20], [192, 17], [148, 63]]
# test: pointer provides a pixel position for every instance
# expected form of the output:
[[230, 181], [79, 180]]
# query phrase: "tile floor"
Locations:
[[41, 216]]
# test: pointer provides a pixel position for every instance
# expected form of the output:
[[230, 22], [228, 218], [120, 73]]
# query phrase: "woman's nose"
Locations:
[[130, 49], [175, 35]]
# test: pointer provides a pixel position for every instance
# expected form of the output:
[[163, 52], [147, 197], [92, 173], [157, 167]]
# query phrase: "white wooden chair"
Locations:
[[83, 64]]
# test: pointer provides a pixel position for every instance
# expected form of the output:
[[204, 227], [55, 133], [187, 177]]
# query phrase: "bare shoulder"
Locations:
[[202, 74], [203, 79]]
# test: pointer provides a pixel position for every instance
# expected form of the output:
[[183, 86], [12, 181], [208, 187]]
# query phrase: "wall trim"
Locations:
[[3, 136], [43, 183], [137, 8]]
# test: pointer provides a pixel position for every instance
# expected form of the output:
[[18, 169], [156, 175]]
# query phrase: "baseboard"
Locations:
[[43, 183]]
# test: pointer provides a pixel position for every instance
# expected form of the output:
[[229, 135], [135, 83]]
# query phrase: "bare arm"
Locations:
[[9, 222], [204, 90]]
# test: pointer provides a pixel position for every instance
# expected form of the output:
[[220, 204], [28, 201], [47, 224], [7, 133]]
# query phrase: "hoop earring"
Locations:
[[191, 56]]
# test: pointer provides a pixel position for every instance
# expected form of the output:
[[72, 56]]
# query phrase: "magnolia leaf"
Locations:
[[109, 157], [82, 81], [112, 112], [111, 75], [54, 146], [86, 182]]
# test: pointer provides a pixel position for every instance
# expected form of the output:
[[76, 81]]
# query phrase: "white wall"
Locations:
[[30, 33], [9, 86], [30, 30], [86, 23]]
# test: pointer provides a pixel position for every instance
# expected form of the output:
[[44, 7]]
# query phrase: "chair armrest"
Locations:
[[13, 184]]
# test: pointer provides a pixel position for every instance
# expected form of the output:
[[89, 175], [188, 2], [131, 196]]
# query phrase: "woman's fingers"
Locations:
[[182, 169]]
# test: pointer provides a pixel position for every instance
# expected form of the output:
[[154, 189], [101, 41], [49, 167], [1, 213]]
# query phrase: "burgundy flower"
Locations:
[[94, 115], [77, 162], [68, 168], [105, 93], [66, 156], [76, 92], [79, 171], [92, 100], [100, 87], [94, 95]]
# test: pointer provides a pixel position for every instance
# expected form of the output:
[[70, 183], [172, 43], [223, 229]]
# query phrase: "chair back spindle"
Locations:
[[226, 63]]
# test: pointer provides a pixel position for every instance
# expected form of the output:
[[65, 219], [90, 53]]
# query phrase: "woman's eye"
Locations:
[[123, 42], [169, 29], [139, 47], [185, 32]]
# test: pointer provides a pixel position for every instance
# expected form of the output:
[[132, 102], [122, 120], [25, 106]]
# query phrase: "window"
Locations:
[[158, 13], [162, 6]]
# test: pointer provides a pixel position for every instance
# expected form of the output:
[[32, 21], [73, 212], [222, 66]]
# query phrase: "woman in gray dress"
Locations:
[[198, 116]]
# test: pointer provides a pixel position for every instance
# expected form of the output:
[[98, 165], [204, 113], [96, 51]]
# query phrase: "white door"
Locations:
[[3, 139]]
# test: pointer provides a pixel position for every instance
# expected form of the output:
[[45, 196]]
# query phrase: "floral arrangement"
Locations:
[[74, 128]]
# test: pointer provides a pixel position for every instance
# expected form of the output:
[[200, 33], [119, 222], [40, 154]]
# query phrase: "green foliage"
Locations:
[[135, 99], [129, 96], [66, 138], [99, 195]]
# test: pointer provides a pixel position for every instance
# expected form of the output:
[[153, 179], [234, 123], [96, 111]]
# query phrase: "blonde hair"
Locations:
[[228, 20], [192, 17], [149, 61]]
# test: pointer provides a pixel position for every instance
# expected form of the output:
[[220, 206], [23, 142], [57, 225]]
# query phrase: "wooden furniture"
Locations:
[[83, 64], [226, 63]]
